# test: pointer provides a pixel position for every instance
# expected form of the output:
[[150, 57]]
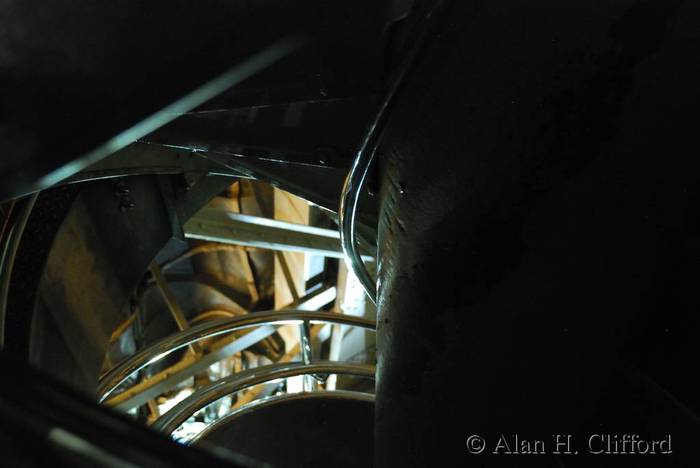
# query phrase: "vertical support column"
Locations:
[[306, 353]]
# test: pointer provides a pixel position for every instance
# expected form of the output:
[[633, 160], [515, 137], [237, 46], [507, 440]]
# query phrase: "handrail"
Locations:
[[274, 400], [241, 380], [352, 188], [119, 373]]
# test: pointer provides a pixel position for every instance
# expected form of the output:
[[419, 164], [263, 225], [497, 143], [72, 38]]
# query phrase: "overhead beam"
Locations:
[[234, 228], [143, 159]]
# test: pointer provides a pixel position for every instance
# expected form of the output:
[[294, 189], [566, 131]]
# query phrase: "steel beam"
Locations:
[[138, 395], [234, 228], [144, 159], [321, 133]]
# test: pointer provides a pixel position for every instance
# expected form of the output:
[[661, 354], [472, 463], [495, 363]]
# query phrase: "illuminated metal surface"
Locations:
[[306, 354], [143, 159], [236, 382], [352, 188], [119, 373], [253, 231], [168, 378], [164, 381]]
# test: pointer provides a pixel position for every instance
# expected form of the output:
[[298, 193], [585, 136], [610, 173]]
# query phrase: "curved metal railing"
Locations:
[[352, 188], [242, 380], [267, 322], [122, 371], [273, 401]]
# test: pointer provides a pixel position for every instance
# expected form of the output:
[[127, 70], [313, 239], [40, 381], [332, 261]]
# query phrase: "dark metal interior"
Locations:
[[519, 198]]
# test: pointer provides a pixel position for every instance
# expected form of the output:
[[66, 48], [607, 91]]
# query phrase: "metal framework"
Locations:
[[242, 380], [263, 324], [253, 231], [119, 373]]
